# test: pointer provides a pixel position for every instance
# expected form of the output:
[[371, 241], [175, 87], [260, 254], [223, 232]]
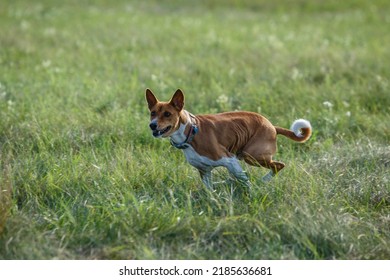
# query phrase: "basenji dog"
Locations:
[[222, 139]]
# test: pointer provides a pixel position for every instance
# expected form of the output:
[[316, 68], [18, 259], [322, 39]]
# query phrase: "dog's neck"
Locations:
[[186, 121]]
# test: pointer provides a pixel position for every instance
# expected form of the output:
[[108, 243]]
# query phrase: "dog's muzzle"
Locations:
[[158, 132]]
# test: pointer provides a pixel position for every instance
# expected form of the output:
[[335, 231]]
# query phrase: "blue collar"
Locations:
[[185, 144]]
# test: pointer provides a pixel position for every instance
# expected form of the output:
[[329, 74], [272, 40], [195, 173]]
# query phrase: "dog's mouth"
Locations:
[[160, 133]]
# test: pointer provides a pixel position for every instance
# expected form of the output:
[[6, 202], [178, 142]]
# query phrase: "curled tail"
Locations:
[[300, 130]]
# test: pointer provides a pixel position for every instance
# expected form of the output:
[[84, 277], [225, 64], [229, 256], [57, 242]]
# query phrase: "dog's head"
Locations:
[[164, 116]]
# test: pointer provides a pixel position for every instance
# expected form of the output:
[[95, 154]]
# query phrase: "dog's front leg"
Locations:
[[206, 178], [234, 167]]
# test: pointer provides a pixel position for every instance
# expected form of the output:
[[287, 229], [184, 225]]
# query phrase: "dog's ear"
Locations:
[[177, 100], [151, 99]]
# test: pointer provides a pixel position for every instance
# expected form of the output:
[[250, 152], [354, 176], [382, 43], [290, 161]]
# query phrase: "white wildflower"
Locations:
[[222, 99], [327, 104], [10, 104], [346, 104], [296, 74], [46, 63]]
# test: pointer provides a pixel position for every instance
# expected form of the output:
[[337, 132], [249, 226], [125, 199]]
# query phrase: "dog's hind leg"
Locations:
[[267, 162], [275, 167], [258, 152]]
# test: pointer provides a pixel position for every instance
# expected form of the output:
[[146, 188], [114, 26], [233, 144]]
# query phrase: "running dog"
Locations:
[[222, 139]]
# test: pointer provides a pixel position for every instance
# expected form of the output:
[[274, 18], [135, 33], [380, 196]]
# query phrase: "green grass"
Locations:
[[81, 177]]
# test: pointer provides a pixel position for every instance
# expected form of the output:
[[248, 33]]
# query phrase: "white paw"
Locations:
[[267, 178]]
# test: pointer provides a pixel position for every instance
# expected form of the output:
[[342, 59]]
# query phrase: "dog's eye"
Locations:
[[167, 114], [153, 113]]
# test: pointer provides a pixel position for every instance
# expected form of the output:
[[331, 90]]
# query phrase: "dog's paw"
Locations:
[[268, 177]]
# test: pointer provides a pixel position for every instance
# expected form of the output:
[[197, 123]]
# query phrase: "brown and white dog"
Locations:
[[221, 139]]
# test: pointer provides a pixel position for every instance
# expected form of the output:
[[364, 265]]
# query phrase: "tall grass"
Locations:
[[5, 197], [81, 177]]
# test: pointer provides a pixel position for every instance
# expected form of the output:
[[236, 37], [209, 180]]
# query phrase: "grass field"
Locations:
[[81, 176]]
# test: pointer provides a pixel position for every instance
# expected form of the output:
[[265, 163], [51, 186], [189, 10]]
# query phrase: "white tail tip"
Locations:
[[298, 125]]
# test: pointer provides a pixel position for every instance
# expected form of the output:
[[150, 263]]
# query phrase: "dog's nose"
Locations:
[[153, 126]]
